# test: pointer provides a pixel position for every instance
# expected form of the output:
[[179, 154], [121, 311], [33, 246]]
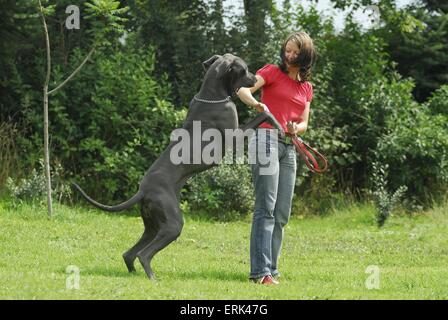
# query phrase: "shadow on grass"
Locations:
[[172, 275], [111, 272], [205, 275]]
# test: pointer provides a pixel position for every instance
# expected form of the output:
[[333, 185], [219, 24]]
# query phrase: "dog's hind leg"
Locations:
[[169, 231], [146, 238], [130, 255]]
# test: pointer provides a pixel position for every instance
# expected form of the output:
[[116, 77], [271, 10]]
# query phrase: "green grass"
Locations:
[[322, 258]]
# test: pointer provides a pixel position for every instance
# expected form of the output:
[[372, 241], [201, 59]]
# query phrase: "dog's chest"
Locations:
[[219, 116]]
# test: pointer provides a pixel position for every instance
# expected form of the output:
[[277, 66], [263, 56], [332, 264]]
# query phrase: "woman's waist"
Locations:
[[274, 133]]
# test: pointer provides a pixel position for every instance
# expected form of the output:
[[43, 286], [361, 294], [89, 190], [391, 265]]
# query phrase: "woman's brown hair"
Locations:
[[307, 54]]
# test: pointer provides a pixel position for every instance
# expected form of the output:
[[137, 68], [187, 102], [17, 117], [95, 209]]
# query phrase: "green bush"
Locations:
[[223, 192], [384, 201], [438, 102], [8, 150], [32, 189], [316, 195], [416, 150], [415, 147]]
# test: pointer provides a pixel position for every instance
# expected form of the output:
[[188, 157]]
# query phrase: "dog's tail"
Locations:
[[122, 206]]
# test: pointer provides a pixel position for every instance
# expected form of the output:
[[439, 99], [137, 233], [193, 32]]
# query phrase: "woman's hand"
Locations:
[[293, 127], [245, 95], [296, 128], [261, 107]]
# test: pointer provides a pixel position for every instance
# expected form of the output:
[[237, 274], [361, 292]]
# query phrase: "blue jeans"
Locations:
[[274, 190]]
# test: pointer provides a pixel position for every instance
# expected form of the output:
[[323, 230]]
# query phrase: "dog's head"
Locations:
[[231, 70]]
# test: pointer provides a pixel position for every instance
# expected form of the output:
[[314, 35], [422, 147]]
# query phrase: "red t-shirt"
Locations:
[[285, 97]]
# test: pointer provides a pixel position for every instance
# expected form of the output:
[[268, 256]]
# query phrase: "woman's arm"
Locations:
[[301, 127], [245, 95]]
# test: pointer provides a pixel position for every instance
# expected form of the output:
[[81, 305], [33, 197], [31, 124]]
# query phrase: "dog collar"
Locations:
[[213, 101]]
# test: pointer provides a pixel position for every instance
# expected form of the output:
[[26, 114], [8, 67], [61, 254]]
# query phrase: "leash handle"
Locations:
[[309, 155]]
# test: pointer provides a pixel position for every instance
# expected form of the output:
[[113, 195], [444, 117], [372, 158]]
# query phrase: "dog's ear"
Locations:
[[225, 68], [207, 63]]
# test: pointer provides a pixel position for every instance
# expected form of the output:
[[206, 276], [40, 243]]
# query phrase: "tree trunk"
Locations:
[[46, 138], [47, 154]]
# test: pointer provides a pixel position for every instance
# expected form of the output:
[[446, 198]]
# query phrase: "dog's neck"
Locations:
[[213, 89]]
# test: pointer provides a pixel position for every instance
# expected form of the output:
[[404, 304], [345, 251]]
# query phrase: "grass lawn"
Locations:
[[322, 258]]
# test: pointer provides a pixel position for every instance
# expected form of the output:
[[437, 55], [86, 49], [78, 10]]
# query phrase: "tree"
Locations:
[[256, 15], [178, 30], [422, 53], [107, 20], [416, 38]]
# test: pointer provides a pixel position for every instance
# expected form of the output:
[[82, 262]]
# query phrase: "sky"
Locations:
[[362, 16]]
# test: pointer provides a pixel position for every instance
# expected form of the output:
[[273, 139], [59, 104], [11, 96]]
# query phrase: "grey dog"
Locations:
[[159, 190]]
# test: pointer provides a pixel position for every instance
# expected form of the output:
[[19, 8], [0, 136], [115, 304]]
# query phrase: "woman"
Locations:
[[287, 94]]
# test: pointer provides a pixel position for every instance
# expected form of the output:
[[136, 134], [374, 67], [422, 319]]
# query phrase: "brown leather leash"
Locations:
[[309, 155]]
